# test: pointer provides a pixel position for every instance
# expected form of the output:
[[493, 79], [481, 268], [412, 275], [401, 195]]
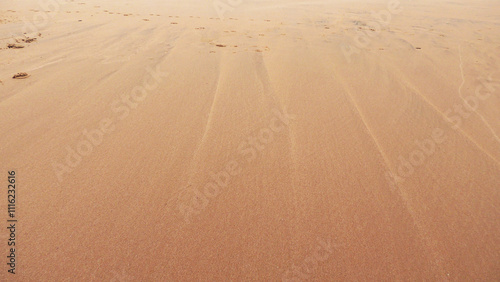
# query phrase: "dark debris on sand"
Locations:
[[20, 75]]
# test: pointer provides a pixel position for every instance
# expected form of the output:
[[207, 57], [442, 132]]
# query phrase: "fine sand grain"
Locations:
[[316, 140]]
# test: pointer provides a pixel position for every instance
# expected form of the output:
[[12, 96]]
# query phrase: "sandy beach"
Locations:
[[250, 140]]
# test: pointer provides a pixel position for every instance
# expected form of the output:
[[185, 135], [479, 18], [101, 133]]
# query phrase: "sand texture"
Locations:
[[253, 141]]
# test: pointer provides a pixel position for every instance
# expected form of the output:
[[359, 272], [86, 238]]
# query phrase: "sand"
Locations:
[[251, 140]]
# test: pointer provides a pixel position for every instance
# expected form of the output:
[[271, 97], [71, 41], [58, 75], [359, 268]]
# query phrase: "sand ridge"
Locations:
[[309, 140]]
